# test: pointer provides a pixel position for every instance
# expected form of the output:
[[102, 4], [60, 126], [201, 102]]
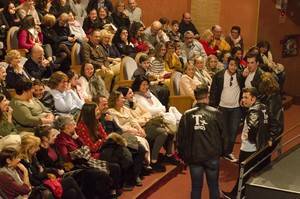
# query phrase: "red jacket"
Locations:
[[27, 41], [208, 49], [83, 132], [140, 46]]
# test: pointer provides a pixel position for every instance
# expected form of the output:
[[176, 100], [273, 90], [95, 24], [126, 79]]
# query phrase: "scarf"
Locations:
[[235, 41], [13, 173]]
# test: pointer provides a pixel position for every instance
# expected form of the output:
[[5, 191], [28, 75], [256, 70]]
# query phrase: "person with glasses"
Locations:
[[225, 93], [234, 39]]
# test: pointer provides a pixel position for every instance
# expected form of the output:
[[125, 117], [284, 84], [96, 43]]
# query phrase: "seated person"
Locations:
[[91, 22], [92, 84], [7, 126], [92, 52], [3, 89], [188, 81], [66, 101], [37, 66], [14, 177], [40, 93], [15, 72], [122, 41], [29, 112]]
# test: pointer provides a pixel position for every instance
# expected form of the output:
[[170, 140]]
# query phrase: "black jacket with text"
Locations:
[[201, 135], [257, 119]]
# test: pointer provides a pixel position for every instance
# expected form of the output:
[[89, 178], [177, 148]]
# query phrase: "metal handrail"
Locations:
[[245, 162]]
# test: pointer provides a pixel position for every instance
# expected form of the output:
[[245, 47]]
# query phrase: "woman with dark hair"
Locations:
[[137, 33], [107, 4], [119, 16], [156, 131], [172, 60], [11, 15], [104, 17], [29, 34], [29, 112], [15, 72], [90, 130], [75, 85], [91, 22], [237, 52], [122, 41], [43, 7], [267, 58], [60, 6], [91, 83], [14, 177], [7, 126]]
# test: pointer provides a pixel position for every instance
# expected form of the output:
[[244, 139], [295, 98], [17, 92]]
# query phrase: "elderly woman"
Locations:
[[6, 123], [65, 99], [68, 142], [29, 112], [15, 71], [213, 66], [201, 72], [156, 133], [12, 183], [188, 82]]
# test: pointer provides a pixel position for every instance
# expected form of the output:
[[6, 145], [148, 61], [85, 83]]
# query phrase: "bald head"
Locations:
[[217, 31], [37, 53], [156, 27], [186, 17]]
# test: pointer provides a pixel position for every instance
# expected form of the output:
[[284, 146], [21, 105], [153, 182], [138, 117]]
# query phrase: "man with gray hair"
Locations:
[[154, 34], [191, 47]]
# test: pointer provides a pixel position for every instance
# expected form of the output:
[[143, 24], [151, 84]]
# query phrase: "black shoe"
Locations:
[[146, 171], [171, 160], [229, 195], [127, 187], [157, 167]]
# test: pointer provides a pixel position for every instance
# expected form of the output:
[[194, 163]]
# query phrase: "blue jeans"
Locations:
[[211, 169], [232, 119]]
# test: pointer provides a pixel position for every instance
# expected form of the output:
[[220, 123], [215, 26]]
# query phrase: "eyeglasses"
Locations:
[[231, 79]]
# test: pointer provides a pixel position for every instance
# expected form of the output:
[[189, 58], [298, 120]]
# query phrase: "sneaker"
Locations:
[[158, 167], [171, 160], [231, 158], [138, 182]]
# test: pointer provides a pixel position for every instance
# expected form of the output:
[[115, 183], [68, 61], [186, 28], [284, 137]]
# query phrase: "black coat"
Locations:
[[201, 135], [217, 87], [37, 71]]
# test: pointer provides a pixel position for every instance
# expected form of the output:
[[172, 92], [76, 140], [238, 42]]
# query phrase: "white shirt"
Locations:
[[249, 80], [86, 92], [134, 15], [156, 108], [230, 94], [246, 145], [66, 101]]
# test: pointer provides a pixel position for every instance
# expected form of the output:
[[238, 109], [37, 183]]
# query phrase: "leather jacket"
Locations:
[[201, 135], [257, 120], [276, 116], [217, 87]]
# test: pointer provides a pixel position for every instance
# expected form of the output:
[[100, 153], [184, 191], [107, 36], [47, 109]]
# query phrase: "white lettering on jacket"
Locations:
[[199, 122]]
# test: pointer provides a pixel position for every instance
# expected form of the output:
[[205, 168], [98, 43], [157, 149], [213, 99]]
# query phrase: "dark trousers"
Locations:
[[232, 119], [243, 156], [211, 170]]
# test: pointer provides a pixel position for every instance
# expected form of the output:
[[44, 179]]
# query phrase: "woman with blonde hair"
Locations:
[[40, 176], [15, 71], [201, 72], [206, 39], [212, 65]]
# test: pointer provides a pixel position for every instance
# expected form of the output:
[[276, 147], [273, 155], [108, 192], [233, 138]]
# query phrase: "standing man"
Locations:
[[255, 131], [201, 142], [133, 12], [225, 94], [252, 72]]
